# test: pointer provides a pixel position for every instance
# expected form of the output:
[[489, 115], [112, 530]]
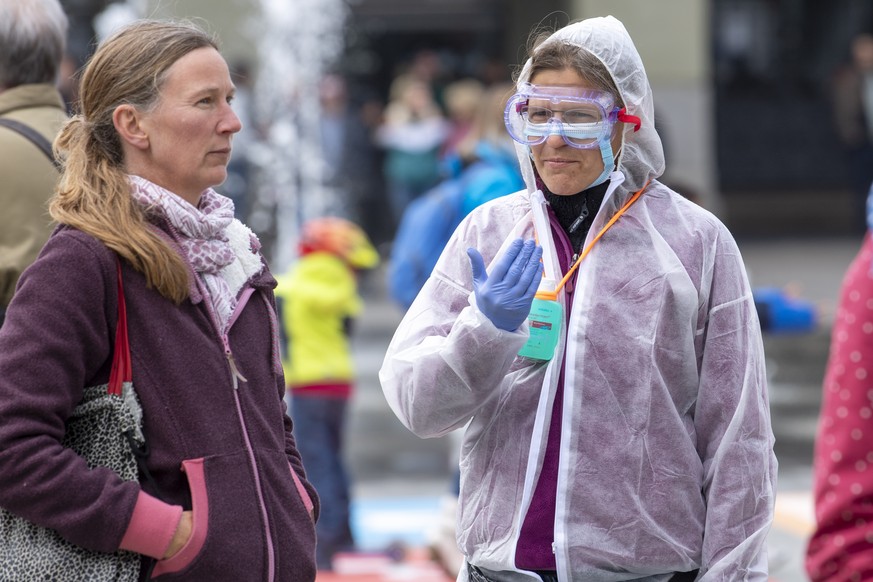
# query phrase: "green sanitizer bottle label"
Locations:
[[545, 320]]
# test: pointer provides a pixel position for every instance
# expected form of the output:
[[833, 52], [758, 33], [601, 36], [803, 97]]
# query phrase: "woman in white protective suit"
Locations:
[[619, 426]]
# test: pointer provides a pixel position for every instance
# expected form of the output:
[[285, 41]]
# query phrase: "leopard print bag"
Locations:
[[103, 429]]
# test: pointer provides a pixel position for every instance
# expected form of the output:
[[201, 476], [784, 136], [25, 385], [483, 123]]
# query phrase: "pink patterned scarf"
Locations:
[[202, 235]]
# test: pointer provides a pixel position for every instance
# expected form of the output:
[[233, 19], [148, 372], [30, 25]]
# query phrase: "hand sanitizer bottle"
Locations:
[[545, 321]]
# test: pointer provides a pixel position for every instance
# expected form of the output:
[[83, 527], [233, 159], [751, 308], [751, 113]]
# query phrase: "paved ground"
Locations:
[[399, 479]]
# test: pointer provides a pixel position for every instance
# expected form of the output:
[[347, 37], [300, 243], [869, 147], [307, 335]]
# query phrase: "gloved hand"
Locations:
[[505, 296]]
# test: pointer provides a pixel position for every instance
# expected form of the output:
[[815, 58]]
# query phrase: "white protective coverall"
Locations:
[[666, 458]]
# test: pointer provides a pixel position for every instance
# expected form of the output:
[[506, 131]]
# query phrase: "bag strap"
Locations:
[[34, 136], [122, 370]]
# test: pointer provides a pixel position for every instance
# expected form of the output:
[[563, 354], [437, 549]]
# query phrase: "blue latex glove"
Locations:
[[505, 296]]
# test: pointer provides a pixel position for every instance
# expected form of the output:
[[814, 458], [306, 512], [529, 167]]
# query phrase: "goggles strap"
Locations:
[[625, 118]]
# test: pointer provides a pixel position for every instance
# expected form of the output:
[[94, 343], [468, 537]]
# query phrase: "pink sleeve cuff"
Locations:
[[152, 526]]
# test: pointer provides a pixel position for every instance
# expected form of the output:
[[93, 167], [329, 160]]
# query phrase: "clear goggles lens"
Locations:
[[582, 118]]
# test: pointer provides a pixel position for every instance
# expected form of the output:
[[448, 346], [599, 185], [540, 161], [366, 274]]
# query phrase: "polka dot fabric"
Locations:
[[841, 548]]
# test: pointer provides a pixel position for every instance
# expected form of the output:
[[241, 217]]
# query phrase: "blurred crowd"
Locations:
[[382, 152]]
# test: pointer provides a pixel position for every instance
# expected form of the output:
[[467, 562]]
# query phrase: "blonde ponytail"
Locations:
[[94, 196]]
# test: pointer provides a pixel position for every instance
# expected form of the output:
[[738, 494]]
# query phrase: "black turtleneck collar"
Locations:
[[569, 209]]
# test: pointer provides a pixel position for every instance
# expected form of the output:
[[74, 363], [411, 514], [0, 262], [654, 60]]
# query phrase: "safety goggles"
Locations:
[[584, 118]]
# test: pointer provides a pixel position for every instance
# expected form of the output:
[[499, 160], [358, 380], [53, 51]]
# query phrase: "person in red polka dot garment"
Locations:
[[841, 548]]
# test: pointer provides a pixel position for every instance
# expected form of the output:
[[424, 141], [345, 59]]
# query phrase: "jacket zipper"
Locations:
[[236, 377], [225, 341]]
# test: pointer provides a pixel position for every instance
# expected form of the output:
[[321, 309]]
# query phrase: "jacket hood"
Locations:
[[642, 155]]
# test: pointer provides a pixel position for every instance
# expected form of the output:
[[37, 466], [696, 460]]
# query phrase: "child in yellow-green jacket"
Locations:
[[318, 297]]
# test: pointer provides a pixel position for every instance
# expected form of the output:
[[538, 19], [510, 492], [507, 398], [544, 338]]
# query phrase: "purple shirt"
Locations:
[[534, 549]]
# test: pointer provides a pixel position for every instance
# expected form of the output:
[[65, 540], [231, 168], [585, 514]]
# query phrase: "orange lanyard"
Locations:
[[554, 294]]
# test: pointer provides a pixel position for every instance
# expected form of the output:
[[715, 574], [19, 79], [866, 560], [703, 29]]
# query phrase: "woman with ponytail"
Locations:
[[222, 492]]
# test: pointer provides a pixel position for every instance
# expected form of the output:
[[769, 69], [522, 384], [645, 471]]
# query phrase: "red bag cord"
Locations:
[[122, 370]]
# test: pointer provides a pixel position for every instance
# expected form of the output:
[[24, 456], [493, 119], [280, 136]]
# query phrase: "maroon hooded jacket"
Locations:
[[224, 448]]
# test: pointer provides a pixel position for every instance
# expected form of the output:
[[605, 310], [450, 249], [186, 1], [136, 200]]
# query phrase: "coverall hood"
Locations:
[[642, 155]]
